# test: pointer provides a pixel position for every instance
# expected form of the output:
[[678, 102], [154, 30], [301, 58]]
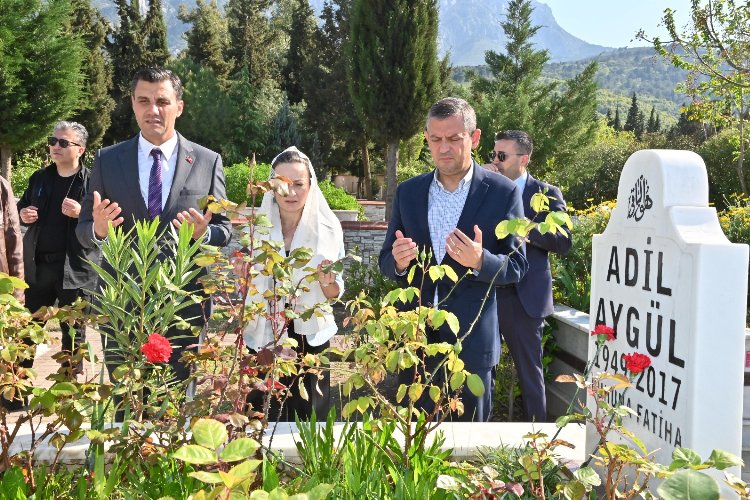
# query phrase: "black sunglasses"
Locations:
[[502, 155], [64, 143]]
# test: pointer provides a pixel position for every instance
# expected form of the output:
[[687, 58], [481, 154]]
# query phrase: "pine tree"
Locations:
[[95, 107], [301, 48], [631, 122], [395, 73], [561, 119], [251, 40], [609, 118], [40, 72], [208, 37]]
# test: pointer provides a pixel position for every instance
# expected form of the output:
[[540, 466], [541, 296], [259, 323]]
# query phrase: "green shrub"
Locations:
[[720, 154], [25, 165], [735, 222], [572, 272], [339, 199], [237, 176]]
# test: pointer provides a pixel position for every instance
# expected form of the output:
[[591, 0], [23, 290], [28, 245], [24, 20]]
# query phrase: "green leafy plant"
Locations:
[[238, 176], [572, 272], [26, 164]]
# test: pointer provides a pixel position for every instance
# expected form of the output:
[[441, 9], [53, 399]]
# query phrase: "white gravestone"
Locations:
[[674, 288]]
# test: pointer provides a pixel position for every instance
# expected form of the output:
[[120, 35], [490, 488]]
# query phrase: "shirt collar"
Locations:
[[166, 149], [466, 180], [521, 181]]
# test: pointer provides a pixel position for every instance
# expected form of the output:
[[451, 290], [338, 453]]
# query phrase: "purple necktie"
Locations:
[[154, 186]]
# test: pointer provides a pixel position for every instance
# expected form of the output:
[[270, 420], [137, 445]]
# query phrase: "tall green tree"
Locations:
[[715, 49], [631, 121], [96, 105], [138, 42], [208, 37], [561, 118], [251, 40], [40, 72], [395, 74], [338, 129], [653, 124], [302, 48]]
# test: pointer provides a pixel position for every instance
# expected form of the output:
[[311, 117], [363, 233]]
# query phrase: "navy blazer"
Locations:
[[491, 199], [535, 289]]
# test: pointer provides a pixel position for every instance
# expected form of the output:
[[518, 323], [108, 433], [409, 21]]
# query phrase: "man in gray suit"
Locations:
[[157, 173]]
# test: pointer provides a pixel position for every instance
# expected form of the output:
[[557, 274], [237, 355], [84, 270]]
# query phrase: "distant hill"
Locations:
[[622, 72], [468, 28]]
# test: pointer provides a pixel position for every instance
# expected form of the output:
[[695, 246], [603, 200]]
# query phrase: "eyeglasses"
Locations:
[[502, 155], [64, 143]]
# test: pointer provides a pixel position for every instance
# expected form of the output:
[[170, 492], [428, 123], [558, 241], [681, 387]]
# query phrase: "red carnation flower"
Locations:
[[636, 362], [603, 332], [157, 349]]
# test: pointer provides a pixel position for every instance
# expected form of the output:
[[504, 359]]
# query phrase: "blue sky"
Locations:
[[613, 23]]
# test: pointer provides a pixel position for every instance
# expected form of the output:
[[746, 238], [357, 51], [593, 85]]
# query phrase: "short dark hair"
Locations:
[[79, 130], [453, 106], [154, 75], [521, 138]]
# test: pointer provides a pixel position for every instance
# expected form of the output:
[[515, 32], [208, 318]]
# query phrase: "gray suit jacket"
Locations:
[[199, 172]]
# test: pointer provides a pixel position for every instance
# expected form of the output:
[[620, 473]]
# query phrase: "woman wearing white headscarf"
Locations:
[[302, 218]]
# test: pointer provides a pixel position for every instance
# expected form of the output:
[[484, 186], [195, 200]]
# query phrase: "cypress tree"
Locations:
[[251, 40], [138, 42], [651, 125], [301, 48], [95, 108], [155, 32], [640, 124], [207, 38], [617, 124], [40, 72], [338, 130], [631, 121], [395, 73]]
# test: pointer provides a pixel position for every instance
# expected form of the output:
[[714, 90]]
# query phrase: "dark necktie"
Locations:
[[154, 186]]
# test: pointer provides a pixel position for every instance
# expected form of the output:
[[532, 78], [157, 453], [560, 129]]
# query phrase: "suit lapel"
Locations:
[[130, 176], [422, 196], [474, 200], [182, 169]]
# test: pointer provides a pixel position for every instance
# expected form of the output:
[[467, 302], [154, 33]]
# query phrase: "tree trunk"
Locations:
[[366, 174], [391, 165], [741, 158], [5, 154]]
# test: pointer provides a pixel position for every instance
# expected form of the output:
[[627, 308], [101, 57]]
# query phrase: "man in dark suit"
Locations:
[[452, 212], [157, 173], [522, 307]]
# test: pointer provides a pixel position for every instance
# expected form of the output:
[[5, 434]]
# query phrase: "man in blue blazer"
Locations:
[[452, 213], [157, 173], [523, 306]]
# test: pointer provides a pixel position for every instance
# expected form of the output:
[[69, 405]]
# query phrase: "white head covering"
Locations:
[[318, 229]]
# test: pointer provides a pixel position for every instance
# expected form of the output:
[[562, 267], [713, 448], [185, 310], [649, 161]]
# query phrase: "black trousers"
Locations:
[[47, 289], [284, 410]]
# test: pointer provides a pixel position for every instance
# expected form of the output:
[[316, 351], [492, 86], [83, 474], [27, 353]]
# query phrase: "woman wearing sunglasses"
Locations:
[[55, 264]]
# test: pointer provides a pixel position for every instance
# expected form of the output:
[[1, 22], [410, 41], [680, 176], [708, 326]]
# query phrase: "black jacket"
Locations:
[[78, 273]]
